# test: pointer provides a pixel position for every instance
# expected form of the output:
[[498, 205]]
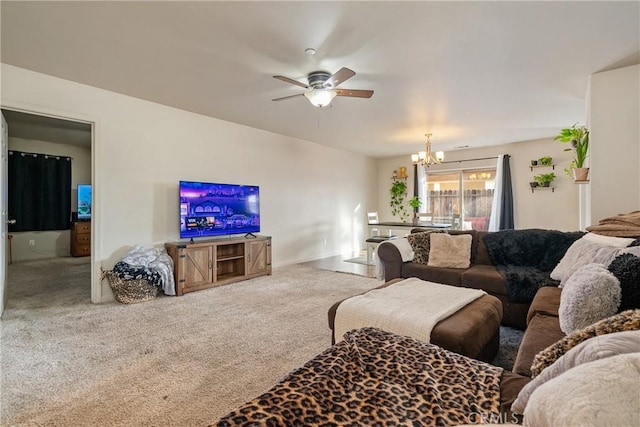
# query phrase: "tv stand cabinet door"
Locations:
[[195, 268], [259, 257]]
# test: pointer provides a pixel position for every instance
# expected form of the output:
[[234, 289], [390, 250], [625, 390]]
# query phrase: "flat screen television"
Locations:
[[210, 209], [84, 202]]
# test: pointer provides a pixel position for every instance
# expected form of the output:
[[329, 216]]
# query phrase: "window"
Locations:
[[462, 198]]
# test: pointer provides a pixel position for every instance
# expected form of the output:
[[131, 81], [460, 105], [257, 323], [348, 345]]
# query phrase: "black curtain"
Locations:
[[39, 191], [506, 203]]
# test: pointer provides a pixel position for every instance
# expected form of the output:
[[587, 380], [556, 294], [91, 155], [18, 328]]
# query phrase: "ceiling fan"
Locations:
[[322, 87]]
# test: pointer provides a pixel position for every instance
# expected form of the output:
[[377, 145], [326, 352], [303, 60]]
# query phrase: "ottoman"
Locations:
[[473, 330]]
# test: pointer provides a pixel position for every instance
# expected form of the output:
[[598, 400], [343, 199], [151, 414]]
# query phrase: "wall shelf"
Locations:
[[553, 166], [533, 189]]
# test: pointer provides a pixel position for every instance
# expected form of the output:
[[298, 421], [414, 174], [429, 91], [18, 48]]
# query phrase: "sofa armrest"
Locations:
[[546, 302], [390, 256]]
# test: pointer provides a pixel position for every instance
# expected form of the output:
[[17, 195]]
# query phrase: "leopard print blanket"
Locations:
[[378, 378]]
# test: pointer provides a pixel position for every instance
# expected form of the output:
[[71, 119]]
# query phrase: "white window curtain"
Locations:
[[494, 219], [422, 188]]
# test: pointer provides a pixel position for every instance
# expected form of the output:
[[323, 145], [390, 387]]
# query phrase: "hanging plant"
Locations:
[[398, 193]]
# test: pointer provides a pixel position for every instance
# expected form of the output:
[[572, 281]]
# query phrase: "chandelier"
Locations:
[[427, 158]]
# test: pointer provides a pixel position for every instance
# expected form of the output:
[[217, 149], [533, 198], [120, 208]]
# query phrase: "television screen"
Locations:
[[84, 202], [208, 209]]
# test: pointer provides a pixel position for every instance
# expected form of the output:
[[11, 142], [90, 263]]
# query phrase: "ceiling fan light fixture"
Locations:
[[320, 97]]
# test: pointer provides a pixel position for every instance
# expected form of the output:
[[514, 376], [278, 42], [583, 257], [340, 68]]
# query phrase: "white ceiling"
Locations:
[[471, 73]]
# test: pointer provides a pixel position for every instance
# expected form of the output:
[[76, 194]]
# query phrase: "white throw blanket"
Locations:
[[411, 307], [406, 253], [155, 259]]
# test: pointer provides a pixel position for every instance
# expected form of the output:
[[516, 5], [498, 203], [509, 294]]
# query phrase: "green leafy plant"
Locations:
[[398, 193], [415, 202], [545, 161], [578, 137], [544, 179]]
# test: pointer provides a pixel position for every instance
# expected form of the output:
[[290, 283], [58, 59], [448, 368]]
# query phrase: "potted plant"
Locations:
[[544, 179], [398, 193], [545, 161], [578, 137], [415, 204]]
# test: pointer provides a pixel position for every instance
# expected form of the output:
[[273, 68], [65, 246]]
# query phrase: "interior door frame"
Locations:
[[38, 110], [4, 218]]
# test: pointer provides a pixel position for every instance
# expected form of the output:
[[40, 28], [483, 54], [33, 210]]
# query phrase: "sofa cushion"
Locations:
[[421, 243], [546, 301], [542, 332], [450, 251], [592, 293], [626, 268], [603, 392], [485, 277], [481, 252], [626, 321], [595, 348], [474, 240], [583, 252], [618, 242], [447, 276]]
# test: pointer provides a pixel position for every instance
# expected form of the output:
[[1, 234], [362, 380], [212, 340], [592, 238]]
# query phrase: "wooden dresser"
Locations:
[[81, 238]]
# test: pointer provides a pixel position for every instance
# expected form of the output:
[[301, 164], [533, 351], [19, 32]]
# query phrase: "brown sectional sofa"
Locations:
[[482, 273]]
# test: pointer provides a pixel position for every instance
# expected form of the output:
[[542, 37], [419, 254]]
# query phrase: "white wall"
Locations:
[[50, 243], [614, 159], [312, 196], [541, 209]]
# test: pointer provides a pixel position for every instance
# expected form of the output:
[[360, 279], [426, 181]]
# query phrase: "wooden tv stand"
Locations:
[[207, 263]]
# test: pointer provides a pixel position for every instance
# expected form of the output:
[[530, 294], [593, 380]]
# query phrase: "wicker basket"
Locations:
[[130, 291]]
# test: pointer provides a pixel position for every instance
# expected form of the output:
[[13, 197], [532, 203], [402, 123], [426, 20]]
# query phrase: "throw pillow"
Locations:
[[618, 242], [450, 251], [595, 348], [592, 293], [626, 268], [604, 392], [580, 253], [626, 321], [420, 243], [633, 250]]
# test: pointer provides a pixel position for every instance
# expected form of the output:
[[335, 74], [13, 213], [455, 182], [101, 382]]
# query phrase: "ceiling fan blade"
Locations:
[[355, 93], [338, 77], [287, 97], [293, 82]]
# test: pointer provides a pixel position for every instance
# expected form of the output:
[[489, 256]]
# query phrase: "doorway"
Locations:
[[30, 132]]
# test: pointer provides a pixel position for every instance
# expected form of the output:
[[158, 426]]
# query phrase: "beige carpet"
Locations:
[[171, 361]]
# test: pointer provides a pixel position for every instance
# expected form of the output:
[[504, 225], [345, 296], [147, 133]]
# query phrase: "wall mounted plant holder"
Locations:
[[532, 167], [539, 187]]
